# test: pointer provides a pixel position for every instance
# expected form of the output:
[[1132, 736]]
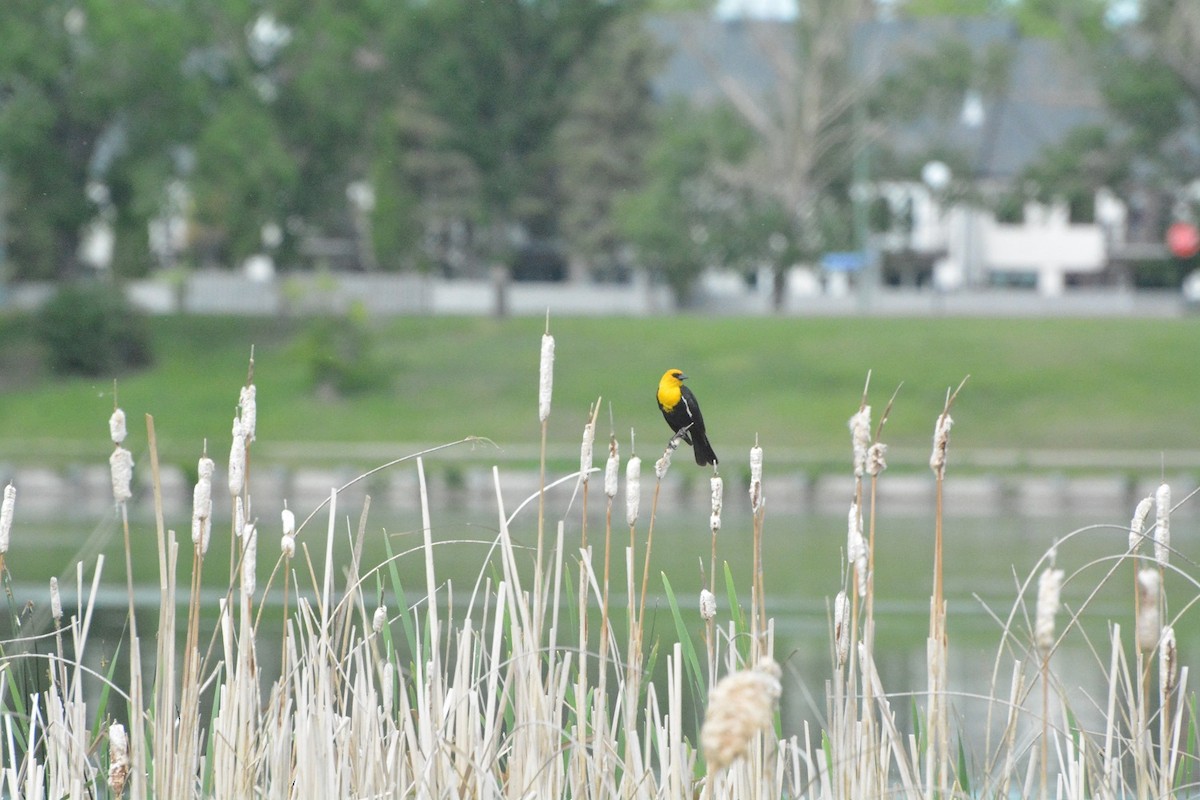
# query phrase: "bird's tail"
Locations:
[[702, 449]]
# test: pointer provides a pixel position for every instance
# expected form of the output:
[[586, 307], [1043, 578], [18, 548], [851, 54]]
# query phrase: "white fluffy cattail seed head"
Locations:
[[379, 619], [1137, 525], [237, 459], [876, 458], [287, 545], [756, 467], [202, 505], [7, 508], [860, 439], [116, 426], [718, 490], [633, 489], [708, 605], [740, 706], [56, 610], [1048, 600], [941, 439], [1148, 622], [585, 451], [662, 465], [118, 758], [1162, 525], [612, 470], [121, 466], [545, 377], [289, 522], [248, 403]]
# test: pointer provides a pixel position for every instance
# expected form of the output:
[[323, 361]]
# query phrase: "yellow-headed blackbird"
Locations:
[[680, 409]]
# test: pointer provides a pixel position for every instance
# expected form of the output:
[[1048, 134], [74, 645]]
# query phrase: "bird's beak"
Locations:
[[682, 377]]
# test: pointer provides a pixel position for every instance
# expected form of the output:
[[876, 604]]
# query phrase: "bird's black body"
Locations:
[[680, 410]]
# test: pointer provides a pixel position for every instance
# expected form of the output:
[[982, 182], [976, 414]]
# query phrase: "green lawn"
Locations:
[[1035, 383]]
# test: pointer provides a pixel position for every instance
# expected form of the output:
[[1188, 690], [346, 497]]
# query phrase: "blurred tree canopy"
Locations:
[[448, 135]]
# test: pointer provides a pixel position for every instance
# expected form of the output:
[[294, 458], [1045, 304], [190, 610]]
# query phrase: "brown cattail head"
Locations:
[[739, 707]]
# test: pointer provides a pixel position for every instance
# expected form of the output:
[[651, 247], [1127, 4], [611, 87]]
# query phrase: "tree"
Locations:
[[602, 142], [500, 76], [90, 92]]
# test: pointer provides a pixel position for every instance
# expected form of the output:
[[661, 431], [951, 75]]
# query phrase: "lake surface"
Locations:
[[988, 562]]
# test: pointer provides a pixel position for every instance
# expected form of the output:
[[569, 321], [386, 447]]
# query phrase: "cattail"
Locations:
[[718, 490], [1148, 624], [7, 507], [121, 466], [739, 706], [1049, 592], [585, 451], [860, 439], [249, 559], [202, 504], [237, 459], [116, 426], [1162, 525], [708, 605], [239, 517], [856, 548], [756, 493], [55, 601], [1138, 524], [118, 758], [545, 377], [941, 438], [663, 464], [388, 691], [841, 626], [288, 543], [249, 407], [1168, 662], [633, 489], [612, 470], [379, 619], [876, 458]]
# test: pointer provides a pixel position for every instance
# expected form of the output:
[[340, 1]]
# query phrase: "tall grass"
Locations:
[[542, 687]]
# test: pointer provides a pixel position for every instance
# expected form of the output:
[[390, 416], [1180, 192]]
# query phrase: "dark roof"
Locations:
[[1048, 94]]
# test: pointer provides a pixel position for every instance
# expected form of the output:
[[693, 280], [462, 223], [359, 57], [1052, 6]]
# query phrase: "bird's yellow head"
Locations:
[[668, 388], [672, 378]]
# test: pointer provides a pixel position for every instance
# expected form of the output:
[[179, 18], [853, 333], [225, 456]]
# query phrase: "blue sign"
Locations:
[[844, 261]]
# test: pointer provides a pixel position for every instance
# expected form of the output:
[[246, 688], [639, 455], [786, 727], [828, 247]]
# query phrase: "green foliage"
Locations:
[[89, 328], [341, 355]]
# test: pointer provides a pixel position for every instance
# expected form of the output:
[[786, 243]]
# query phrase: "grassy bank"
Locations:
[[1036, 383]]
